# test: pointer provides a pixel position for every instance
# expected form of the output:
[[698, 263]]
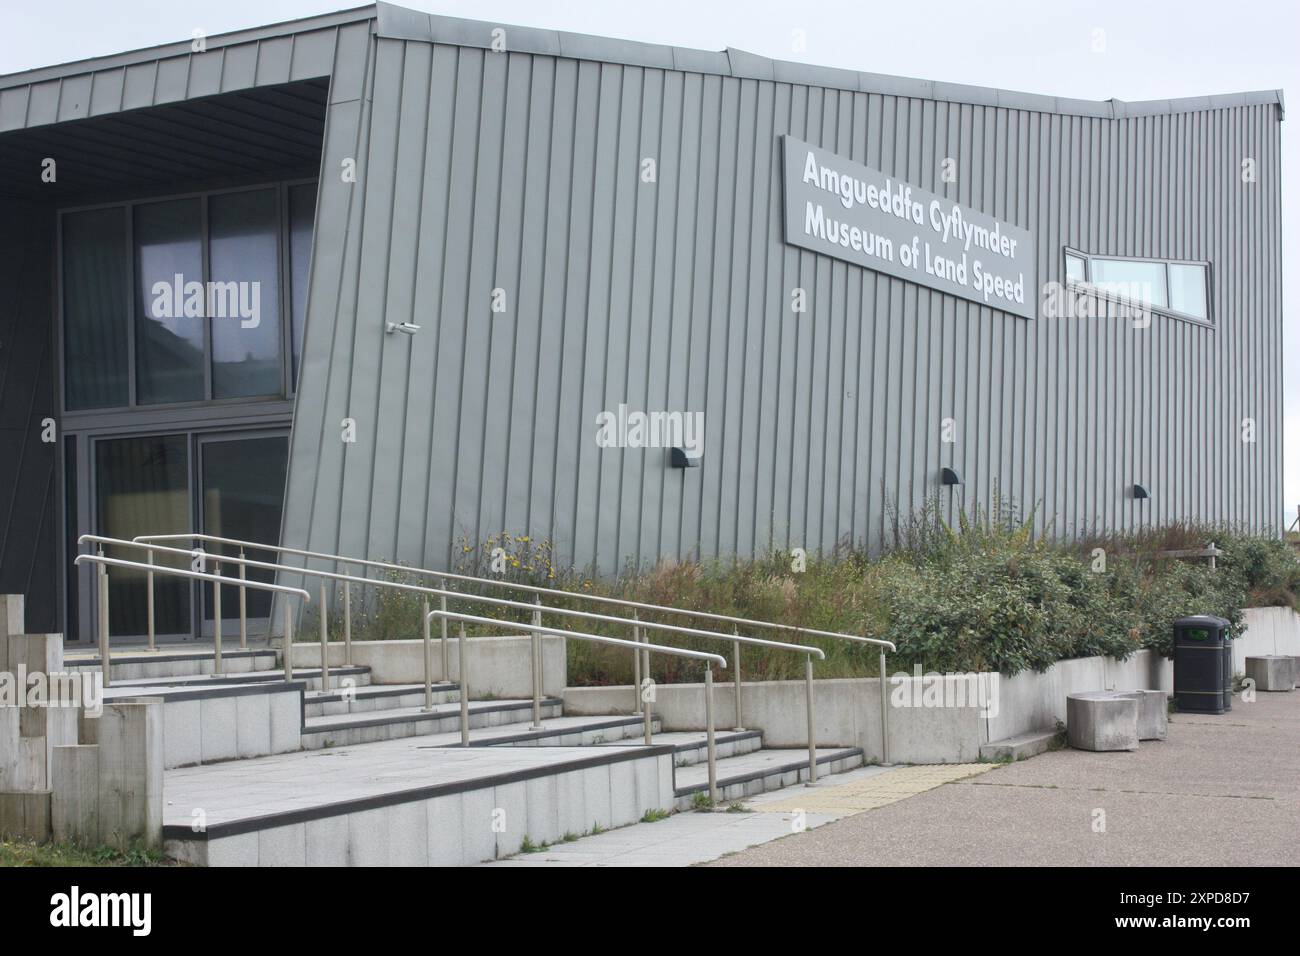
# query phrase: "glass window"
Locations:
[[244, 295], [1129, 279], [302, 213], [1187, 289], [170, 302], [243, 492], [143, 488], [1075, 268], [96, 271]]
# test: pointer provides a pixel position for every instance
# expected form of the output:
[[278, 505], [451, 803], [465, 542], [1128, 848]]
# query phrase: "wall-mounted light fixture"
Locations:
[[406, 328], [949, 477], [680, 459], [1139, 492]]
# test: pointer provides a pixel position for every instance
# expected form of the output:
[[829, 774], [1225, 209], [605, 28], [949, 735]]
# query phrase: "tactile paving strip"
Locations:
[[874, 791]]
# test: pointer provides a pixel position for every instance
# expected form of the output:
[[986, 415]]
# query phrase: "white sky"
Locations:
[[1153, 50]]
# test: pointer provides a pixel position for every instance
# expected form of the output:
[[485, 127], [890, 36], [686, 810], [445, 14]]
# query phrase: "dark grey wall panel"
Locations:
[[29, 516], [519, 170]]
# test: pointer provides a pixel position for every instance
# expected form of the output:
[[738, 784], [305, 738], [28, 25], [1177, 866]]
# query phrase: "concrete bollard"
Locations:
[[42, 728], [130, 739], [74, 805], [1101, 721], [1271, 672], [25, 814], [11, 622]]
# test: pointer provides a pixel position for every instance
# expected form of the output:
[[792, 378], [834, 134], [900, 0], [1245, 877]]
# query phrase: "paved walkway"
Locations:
[[685, 839], [1221, 791]]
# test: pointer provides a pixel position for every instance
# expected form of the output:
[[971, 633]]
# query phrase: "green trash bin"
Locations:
[[1202, 655]]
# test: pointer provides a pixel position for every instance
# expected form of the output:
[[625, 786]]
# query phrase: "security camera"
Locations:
[[404, 327]]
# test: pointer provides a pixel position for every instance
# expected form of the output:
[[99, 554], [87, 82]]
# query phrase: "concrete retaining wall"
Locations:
[[501, 666], [848, 710], [1269, 630]]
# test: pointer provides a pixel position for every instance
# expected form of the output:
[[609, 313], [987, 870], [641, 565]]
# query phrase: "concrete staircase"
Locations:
[[252, 712]]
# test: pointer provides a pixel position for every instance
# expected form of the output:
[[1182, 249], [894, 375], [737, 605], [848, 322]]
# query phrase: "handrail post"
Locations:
[[537, 666], [216, 622], [884, 711], [103, 621], [636, 666], [735, 650], [288, 640], [324, 641], [428, 655], [347, 623], [708, 723], [149, 607], [464, 690], [243, 602], [446, 648], [812, 721], [647, 706]]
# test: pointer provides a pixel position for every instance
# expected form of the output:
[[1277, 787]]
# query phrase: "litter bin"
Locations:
[[1202, 664], [1227, 672]]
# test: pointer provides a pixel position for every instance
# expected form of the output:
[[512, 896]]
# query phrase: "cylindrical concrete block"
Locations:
[[1153, 713], [1101, 721], [74, 808]]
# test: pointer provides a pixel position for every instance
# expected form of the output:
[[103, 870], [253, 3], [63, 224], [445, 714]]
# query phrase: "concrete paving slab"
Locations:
[[1220, 791]]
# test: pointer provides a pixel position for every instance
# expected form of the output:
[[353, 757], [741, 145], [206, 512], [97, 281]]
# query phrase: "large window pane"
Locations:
[[244, 304], [143, 488], [302, 213], [243, 491], [169, 320], [1187, 289], [1138, 281], [95, 308]]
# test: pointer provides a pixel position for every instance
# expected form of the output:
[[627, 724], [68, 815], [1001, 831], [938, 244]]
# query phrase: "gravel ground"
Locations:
[[1220, 791]]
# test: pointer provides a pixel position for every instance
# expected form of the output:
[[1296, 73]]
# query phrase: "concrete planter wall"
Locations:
[[501, 666]]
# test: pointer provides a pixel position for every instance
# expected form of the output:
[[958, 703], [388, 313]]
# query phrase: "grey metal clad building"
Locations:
[[858, 280]]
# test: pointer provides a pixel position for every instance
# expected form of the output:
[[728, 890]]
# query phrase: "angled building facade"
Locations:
[[670, 303]]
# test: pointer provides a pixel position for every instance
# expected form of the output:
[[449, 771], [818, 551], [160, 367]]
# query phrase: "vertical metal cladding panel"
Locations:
[[523, 172]]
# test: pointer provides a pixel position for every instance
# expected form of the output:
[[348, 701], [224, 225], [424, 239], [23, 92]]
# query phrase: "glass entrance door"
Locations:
[[143, 487], [241, 493]]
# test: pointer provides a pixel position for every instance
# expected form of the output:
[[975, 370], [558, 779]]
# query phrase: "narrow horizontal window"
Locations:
[[1181, 288]]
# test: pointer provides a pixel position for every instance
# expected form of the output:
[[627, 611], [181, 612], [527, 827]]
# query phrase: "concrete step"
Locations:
[[374, 697], [168, 662], [555, 732], [346, 729], [310, 676], [692, 747], [760, 771], [1019, 747]]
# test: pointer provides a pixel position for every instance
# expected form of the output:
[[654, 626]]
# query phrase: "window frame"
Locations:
[[1087, 286], [288, 387]]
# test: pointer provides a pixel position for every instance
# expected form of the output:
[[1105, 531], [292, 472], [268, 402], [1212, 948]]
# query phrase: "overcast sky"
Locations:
[[1152, 50]]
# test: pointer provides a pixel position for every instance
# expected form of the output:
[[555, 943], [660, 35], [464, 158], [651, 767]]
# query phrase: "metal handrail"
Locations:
[[643, 703], [636, 606], [105, 562], [639, 647]]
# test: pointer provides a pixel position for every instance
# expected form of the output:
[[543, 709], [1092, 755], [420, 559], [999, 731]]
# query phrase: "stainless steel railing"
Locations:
[[104, 563], [707, 657], [538, 591]]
